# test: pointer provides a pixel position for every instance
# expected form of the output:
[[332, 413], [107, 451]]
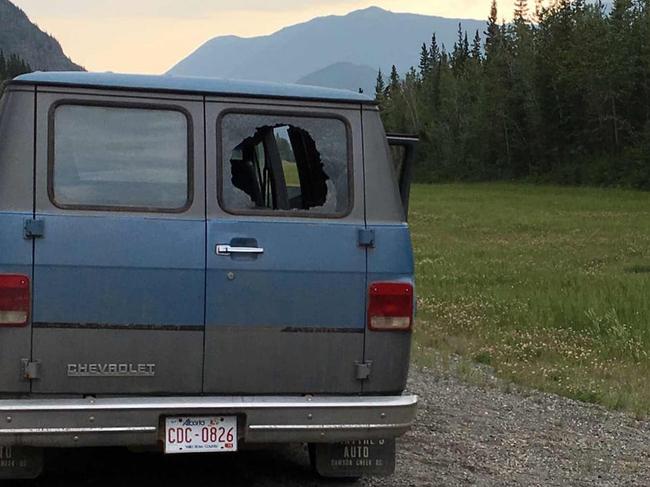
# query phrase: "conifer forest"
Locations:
[[560, 95]]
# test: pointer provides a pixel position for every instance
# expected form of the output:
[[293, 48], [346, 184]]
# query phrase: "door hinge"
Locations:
[[363, 370], [31, 369], [33, 228], [366, 237]]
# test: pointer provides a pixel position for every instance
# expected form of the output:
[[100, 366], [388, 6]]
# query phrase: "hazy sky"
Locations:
[[150, 36]]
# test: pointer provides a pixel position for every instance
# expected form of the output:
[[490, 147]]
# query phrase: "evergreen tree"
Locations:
[[380, 88], [425, 61], [521, 10], [492, 32], [394, 112], [644, 61], [460, 54], [434, 51], [10, 67], [394, 84], [476, 52]]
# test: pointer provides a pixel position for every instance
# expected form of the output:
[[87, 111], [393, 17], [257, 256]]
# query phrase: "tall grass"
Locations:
[[549, 285]]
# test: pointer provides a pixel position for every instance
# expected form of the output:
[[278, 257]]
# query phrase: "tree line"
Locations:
[[561, 94], [11, 66]]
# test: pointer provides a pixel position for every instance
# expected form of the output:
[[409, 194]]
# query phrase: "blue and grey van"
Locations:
[[198, 266]]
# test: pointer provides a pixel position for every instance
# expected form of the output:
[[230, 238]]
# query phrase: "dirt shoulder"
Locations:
[[470, 435]]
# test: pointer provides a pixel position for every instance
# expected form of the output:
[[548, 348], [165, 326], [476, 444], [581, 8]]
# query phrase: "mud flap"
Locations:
[[20, 462], [366, 458]]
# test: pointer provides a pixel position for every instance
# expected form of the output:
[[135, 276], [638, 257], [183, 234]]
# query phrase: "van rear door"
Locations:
[[119, 272], [16, 207], [392, 258], [286, 279]]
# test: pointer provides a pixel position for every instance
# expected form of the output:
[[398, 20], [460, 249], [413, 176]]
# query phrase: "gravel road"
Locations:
[[465, 435]]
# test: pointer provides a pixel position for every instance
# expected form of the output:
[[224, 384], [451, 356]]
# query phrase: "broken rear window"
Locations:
[[285, 164]]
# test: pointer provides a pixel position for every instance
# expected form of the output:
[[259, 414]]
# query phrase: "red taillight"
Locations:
[[390, 306], [14, 300]]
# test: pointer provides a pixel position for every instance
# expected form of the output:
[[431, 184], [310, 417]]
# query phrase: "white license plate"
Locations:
[[211, 434]]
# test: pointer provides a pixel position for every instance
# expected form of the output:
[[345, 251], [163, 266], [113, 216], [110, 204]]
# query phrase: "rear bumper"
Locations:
[[140, 421]]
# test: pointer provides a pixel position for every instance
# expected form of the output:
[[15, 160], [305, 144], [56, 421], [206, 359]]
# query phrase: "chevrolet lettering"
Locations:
[[194, 265], [111, 370]]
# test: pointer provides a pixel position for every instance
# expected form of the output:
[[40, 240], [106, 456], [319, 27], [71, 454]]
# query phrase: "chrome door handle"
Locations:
[[230, 250]]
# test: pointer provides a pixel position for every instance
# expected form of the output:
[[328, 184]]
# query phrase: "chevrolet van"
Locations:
[[197, 266]]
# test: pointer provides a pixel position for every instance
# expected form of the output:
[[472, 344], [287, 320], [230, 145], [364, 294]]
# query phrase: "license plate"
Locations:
[[204, 434], [20, 462], [356, 458]]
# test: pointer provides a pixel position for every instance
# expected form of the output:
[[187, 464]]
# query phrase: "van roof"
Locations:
[[203, 86]]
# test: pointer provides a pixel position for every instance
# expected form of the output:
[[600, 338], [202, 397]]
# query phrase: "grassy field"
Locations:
[[550, 286]]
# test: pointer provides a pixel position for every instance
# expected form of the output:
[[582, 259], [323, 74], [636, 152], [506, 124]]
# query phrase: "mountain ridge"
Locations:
[[20, 36], [343, 76], [371, 37]]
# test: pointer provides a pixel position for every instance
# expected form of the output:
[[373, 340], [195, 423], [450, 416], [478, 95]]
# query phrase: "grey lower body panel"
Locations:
[[140, 421], [14, 346], [173, 360], [390, 355], [258, 360]]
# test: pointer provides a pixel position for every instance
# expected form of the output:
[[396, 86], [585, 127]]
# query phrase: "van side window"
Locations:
[[104, 157], [284, 164]]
